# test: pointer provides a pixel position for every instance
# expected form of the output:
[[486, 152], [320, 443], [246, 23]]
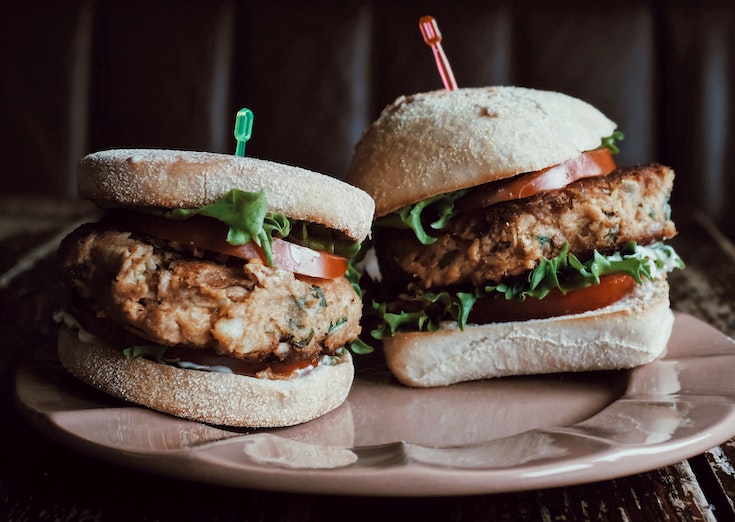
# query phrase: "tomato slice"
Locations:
[[589, 164], [210, 234], [612, 288]]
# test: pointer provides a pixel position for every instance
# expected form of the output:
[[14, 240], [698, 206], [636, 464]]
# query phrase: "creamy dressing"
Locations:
[[68, 320], [662, 259], [186, 365]]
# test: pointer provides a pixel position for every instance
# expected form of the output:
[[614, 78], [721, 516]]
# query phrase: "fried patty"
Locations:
[[246, 310], [489, 244]]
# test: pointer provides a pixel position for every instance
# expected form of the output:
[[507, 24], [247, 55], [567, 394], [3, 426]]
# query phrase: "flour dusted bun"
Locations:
[[629, 333], [441, 141], [535, 246], [186, 179], [211, 397]]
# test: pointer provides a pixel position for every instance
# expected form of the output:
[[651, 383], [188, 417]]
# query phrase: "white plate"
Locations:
[[480, 437]]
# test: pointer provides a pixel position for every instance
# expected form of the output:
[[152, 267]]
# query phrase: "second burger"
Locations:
[[508, 240]]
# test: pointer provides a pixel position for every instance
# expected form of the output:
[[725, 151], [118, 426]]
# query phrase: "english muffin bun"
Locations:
[[507, 240], [441, 141], [214, 287], [189, 179], [210, 397]]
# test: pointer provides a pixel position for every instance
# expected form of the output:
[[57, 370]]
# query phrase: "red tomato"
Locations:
[[589, 164], [612, 288], [211, 234]]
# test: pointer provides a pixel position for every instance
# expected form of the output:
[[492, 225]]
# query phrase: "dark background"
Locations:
[[83, 75]]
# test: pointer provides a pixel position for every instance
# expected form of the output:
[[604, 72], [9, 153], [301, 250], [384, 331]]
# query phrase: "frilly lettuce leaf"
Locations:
[[154, 352], [324, 239], [433, 213], [564, 272], [246, 215], [609, 142]]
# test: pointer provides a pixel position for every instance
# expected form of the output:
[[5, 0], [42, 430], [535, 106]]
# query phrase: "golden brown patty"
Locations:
[[246, 310], [508, 239]]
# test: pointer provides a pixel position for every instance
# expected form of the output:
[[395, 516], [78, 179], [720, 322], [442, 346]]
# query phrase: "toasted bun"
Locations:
[[629, 333], [185, 179], [215, 398], [442, 141]]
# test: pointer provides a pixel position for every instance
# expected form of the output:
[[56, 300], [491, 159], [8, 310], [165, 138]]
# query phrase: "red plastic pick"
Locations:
[[432, 36]]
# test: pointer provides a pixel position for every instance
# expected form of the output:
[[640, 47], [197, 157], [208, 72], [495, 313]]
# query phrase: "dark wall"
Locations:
[[83, 75]]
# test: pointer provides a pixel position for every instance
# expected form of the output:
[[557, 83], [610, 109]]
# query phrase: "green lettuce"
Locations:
[[246, 215], [609, 142], [432, 213], [564, 272], [154, 352], [324, 239]]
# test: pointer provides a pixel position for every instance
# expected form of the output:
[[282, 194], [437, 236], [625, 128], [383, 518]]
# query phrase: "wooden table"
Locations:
[[42, 480]]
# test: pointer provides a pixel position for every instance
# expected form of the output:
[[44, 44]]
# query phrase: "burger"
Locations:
[[214, 286], [507, 241]]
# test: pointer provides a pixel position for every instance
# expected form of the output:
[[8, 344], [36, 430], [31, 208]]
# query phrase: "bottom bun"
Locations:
[[211, 397], [632, 332]]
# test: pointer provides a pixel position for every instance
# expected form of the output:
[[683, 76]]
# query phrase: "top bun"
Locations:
[[186, 179], [441, 141]]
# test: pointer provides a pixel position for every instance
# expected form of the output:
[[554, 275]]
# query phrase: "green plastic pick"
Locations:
[[243, 129]]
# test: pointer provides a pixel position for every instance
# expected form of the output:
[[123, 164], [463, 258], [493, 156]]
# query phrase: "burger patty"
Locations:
[[508, 239], [246, 310]]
